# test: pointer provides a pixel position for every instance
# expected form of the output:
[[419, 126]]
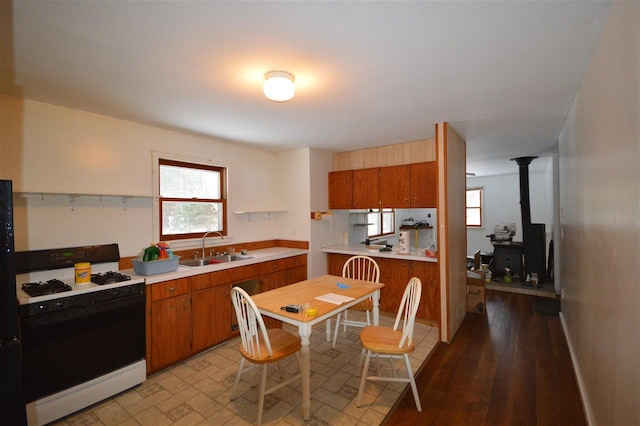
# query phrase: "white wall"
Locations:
[[502, 204], [293, 185], [600, 207], [50, 149], [323, 233]]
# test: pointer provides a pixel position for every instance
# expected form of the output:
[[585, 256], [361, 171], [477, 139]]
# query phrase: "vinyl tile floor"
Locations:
[[197, 391]]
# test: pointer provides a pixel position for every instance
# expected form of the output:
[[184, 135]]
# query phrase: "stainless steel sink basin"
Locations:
[[214, 259], [234, 257]]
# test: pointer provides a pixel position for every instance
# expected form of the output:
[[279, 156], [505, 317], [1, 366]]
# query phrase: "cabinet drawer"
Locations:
[[202, 281], [171, 288], [273, 266], [242, 273], [292, 262]]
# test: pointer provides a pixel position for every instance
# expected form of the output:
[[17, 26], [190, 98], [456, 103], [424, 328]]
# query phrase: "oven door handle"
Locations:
[[84, 311]]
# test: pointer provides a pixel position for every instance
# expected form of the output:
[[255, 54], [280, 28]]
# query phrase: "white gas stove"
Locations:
[[45, 282], [93, 333]]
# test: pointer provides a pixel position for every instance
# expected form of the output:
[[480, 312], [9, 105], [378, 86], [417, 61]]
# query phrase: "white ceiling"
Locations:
[[503, 74]]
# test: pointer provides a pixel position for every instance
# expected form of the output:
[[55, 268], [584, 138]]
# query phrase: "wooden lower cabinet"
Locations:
[[428, 273], [280, 273], [335, 262], [189, 315], [297, 274], [211, 312], [395, 274], [169, 323]]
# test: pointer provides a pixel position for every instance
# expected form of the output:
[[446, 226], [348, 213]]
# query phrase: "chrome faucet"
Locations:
[[205, 236]]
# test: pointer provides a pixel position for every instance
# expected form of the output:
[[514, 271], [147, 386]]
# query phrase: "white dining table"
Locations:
[[306, 292]]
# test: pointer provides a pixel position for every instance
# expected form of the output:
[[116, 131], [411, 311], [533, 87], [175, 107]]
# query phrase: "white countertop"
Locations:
[[361, 249], [258, 256]]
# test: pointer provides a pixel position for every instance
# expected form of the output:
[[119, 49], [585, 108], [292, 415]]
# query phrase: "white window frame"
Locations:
[[480, 207], [381, 213], [183, 243]]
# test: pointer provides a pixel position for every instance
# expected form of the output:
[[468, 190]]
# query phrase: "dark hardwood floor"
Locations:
[[508, 367]]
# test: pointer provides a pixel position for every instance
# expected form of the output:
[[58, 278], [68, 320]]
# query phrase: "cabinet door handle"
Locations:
[[171, 289]]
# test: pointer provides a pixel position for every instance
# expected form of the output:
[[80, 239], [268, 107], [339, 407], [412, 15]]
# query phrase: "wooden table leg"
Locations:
[[305, 356]]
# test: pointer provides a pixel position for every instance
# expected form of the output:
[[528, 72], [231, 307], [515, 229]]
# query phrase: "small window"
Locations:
[[192, 199], [474, 207], [381, 222]]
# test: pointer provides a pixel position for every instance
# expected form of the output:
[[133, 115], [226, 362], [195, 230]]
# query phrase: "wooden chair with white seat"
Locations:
[[261, 346], [360, 268], [393, 343]]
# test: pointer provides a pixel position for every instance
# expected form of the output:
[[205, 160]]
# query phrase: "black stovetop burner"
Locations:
[[47, 287], [109, 278]]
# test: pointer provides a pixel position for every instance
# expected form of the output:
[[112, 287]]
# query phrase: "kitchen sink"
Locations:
[[214, 260], [234, 257]]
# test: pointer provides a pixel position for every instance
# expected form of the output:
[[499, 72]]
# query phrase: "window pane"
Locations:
[[473, 217], [473, 198], [374, 220], [388, 225], [183, 182], [188, 217]]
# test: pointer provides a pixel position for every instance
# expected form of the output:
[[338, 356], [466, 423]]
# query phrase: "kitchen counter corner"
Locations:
[[361, 249]]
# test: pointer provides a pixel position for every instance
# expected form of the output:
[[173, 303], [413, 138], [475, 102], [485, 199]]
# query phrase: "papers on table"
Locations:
[[336, 299]]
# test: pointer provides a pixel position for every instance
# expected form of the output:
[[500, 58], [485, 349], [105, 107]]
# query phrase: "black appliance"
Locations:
[[12, 404], [81, 343], [72, 340], [533, 234], [508, 255]]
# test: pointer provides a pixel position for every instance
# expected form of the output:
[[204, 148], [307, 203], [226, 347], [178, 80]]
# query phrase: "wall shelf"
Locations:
[[74, 195], [83, 194], [357, 215]]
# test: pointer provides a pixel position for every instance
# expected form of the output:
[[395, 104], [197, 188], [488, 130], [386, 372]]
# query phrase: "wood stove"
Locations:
[[533, 234]]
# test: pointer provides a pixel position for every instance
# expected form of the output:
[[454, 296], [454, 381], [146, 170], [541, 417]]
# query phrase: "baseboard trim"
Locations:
[[576, 369]]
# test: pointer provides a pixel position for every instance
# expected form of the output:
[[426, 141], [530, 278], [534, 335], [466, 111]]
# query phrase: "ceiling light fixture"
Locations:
[[278, 86]]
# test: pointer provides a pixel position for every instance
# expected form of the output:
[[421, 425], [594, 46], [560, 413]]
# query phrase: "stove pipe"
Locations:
[[525, 205]]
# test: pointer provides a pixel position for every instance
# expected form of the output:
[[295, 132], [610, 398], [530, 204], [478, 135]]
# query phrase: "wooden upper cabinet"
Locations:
[[424, 184], [395, 187], [341, 189], [402, 186], [366, 189]]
